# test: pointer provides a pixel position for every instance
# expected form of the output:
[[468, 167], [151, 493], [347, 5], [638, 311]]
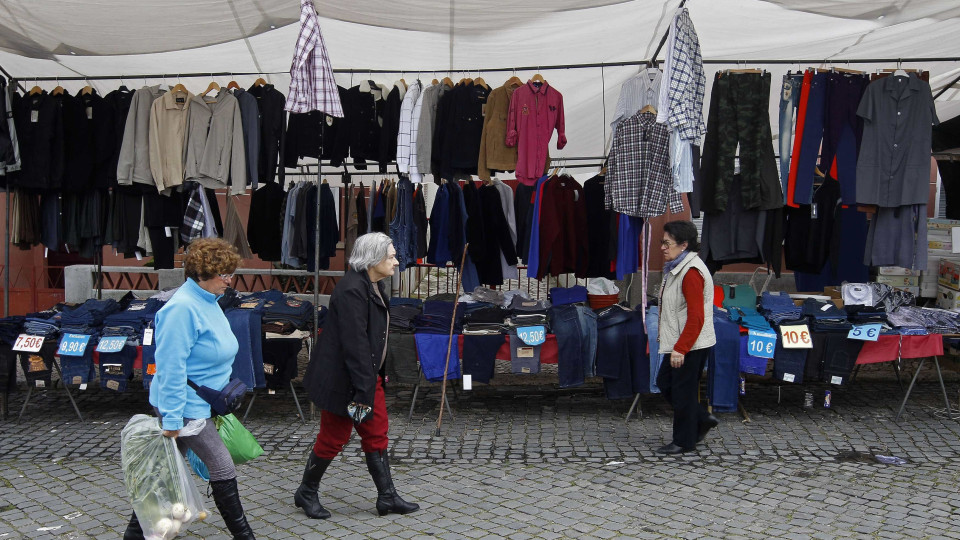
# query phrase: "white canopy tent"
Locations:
[[78, 38]]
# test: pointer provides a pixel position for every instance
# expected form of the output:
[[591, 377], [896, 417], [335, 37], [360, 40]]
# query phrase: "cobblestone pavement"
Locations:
[[534, 462]]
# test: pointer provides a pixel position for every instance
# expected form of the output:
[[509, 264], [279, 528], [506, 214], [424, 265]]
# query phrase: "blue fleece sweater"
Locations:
[[194, 341]]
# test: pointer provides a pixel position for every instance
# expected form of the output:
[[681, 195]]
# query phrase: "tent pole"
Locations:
[[947, 87], [663, 40], [12, 79]]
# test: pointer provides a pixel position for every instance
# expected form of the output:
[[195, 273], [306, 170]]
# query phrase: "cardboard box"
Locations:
[[900, 281], [936, 223], [948, 298], [940, 244], [897, 271], [949, 274]]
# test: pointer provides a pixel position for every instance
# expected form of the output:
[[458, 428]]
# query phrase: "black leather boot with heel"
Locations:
[[307, 496], [227, 497], [388, 500]]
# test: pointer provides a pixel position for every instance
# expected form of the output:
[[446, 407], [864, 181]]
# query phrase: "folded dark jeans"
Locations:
[[116, 369], [402, 358], [479, 356]]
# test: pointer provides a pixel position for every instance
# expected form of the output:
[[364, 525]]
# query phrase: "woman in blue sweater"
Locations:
[[194, 341]]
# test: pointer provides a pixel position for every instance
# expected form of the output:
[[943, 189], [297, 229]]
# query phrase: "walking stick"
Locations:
[[446, 366]]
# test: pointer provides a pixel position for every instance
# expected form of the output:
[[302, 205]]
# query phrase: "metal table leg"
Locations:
[[26, 400], [303, 419], [896, 369], [636, 402], [910, 389], [943, 387], [416, 389], [56, 364], [253, 398]]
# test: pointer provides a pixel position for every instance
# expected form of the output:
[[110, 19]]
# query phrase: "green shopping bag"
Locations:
[[239, 441]]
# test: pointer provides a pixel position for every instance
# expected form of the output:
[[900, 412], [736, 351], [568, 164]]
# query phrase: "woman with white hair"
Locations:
[[342, 378]]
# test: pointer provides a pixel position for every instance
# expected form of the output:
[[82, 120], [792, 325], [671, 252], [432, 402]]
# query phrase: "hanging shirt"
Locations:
[[681, 99], [404, 134], [535, 110], [639, 91], [416, 176], [639, 182], [893, 168], [133, 163], [312, 86]]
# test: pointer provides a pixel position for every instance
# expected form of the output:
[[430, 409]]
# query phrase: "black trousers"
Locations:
[[679, 387]]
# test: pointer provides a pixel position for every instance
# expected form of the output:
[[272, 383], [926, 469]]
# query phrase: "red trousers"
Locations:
[[335, 429]]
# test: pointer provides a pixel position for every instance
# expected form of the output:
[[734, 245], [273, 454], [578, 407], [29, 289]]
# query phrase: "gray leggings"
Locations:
[[209, 447]]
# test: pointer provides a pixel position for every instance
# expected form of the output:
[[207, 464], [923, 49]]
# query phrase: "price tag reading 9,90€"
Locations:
[[796, 336], [73, 344], [761, 344], [28, 343]]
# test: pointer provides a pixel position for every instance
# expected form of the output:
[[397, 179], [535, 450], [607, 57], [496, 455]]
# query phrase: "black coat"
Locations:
[[344, 364]]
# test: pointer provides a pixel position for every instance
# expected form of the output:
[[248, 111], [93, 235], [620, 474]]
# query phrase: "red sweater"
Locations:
[[692, 287]]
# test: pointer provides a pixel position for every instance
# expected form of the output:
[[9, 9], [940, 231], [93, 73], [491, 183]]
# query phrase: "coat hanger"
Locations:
[[260, 82], [178, 88], [212, 86], [448, 81], [480, 82], [537, 78], [648, 109], [86, 90], [233, 84], [35, 90]]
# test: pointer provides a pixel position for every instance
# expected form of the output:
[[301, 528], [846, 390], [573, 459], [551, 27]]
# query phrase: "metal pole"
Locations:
[[6, 255], [721, 61], [663, 40]]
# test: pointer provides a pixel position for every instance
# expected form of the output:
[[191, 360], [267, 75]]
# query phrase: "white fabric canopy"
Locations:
[[414, 37]]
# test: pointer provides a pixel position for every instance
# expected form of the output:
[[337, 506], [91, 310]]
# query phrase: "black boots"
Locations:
[[388, 500], [306, 496], [227, 497], [705, 426], [133, 532]]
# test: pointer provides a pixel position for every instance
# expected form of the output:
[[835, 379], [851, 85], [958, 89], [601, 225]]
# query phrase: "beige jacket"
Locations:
[[168, 129], [494, 152]]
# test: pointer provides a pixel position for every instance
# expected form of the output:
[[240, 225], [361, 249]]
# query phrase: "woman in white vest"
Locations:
[[686, 334]]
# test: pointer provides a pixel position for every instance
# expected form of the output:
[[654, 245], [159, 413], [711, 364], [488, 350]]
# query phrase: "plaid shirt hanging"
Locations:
[[312, 86]]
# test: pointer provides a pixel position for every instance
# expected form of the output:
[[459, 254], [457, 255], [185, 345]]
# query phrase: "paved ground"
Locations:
[[533, 462]]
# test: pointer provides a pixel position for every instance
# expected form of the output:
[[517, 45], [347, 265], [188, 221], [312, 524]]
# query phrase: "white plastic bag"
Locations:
[[601, 286], [161, 488]]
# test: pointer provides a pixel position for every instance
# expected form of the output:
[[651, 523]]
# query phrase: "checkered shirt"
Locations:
[[404, 136], [639, 182], [312, 86], [193, 221], [687, 81]]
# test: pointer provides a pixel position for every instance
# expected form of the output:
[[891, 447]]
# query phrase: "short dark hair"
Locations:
[[683, 231]]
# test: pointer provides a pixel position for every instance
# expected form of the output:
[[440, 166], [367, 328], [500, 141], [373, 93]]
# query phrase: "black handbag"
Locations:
[[222, 402]]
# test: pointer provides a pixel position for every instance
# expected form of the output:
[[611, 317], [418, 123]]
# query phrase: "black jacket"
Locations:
[[101, 127], [344, 364], [264, 224], [272, 121], [40, 133]]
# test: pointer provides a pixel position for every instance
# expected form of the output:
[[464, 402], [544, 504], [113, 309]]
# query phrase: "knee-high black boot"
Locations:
[[133, 532], [227, 497], [307, 496], [388, 500]]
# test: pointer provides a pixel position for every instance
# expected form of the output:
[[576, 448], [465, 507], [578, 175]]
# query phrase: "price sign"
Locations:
[[796, 336], [532, 335], [761, 344], [73, 344], [865, 332], [111, 344], [28, 343]]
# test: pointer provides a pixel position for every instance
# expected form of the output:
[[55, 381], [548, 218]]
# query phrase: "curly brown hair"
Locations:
[[209, 257]]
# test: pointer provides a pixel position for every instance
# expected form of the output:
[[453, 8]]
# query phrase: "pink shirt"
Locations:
[[534, 113]]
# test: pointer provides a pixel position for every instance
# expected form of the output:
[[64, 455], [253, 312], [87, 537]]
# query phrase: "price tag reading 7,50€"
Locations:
[[761, 344], [796, 336], [865, 332], [28, 343], [73, 344]]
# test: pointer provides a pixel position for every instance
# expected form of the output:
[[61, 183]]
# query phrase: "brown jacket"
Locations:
[[494, 153]]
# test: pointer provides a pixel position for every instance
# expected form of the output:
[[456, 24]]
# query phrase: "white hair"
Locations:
[[369, 250]]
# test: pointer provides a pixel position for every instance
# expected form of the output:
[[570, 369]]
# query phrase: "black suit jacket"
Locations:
[[344, 364]]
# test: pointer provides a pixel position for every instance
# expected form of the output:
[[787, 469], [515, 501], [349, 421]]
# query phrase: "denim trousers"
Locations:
[[480, 356], [588, 328], [565, 322], [116, 369], [621, 350], [653, 343], [402, 229], [248, 364], [79, 369], [812, 137], [789, 101]]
